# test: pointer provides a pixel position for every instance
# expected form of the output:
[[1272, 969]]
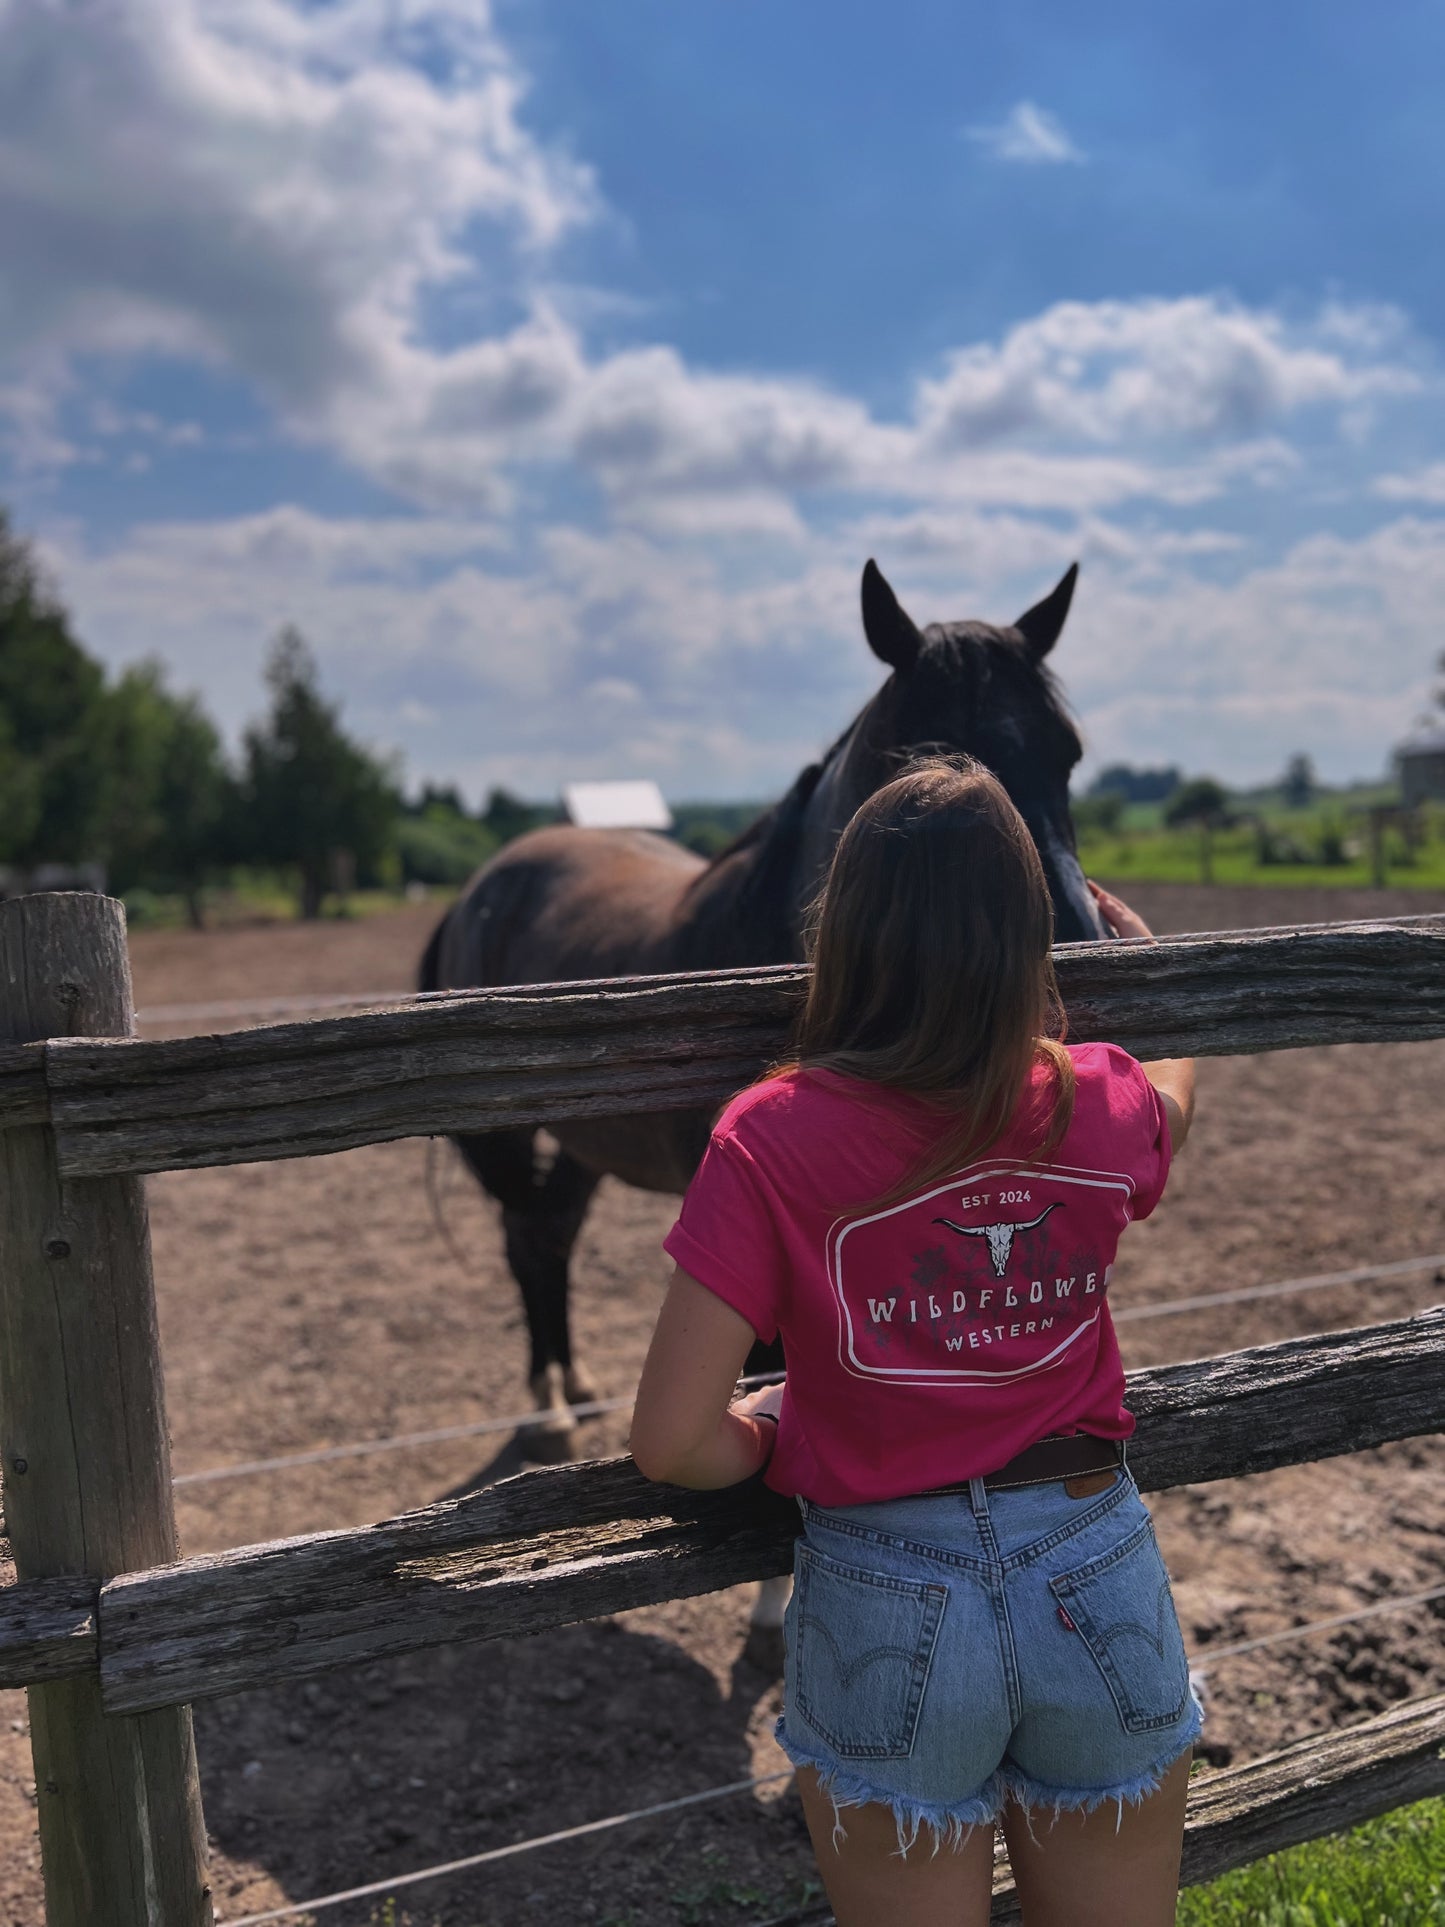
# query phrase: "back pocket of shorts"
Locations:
[[1121, 1605], [862, 1652]]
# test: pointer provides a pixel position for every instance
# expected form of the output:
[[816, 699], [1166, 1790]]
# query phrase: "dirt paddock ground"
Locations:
[[313, 1303]]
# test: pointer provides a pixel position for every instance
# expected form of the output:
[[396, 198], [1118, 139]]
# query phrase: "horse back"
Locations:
[[559, 904]]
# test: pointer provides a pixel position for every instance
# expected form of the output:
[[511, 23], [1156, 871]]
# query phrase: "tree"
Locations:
[[168, 796], [197, 806], [1136, 785], [438, 841], [1205, 802], [1100, 813], [1298, 785], [314, 801], [433, 798], [507, 816], [51, 776]]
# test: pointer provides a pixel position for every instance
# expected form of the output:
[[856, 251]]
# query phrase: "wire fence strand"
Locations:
[[595, 1408], [376, 1889], [1200, 1668]]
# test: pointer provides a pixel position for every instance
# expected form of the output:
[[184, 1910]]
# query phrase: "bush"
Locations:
[[1201, 801], [1273, 846], [1334, 850], [1099, 813], [707, 839], [442, 848]]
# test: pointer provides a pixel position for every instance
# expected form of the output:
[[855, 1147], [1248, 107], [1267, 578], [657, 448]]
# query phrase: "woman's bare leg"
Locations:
[[869, 1882], [1101, 1869]]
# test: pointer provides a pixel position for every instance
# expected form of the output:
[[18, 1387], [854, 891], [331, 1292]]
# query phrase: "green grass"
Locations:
[[1173, 856], [260, 899], [1388, 1873]]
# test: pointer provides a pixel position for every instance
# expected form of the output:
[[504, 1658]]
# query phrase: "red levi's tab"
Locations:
[[930, 1340]]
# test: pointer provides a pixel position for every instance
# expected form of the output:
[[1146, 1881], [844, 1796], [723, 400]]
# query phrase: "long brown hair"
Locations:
[[932, 972]]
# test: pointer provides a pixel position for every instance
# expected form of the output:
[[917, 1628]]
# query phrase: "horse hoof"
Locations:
[[581, 1388], [551, 1437], [549, 1443], [764, 1649]]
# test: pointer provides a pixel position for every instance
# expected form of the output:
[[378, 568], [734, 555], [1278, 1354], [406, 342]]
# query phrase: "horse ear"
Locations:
[[892, 635], [1040, 626]]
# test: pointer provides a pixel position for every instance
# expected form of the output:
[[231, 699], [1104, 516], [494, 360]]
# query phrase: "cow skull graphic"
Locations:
[[1000, 1236]]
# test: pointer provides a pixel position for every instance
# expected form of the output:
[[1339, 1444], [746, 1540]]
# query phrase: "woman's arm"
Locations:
[[1172, 1077], [683, 1430]]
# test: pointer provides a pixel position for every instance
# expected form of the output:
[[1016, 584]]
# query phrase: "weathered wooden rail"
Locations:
[[576, 1542], [474, 1060], [115, 1637]]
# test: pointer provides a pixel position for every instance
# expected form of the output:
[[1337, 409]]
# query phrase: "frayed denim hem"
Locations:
[[1032, 1795], [949, 1821]]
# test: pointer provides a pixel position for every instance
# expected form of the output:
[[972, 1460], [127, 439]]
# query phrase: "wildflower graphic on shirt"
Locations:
[[995, 1274]]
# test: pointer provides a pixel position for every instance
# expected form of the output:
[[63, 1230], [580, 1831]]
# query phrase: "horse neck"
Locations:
[[852, 773]]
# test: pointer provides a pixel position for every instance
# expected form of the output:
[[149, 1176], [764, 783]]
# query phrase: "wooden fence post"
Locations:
[[87, 1472]]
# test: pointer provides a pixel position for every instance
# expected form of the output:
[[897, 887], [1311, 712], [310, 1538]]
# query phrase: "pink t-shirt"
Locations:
[[929, 1341]]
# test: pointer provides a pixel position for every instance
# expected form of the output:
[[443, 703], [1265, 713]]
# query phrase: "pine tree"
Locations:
[[314, 802]]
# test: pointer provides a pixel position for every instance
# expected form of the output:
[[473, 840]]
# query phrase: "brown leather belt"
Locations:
[[1066, 1456]]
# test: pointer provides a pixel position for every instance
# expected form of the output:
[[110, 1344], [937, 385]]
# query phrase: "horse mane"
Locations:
[[778, 819], [763, 902]]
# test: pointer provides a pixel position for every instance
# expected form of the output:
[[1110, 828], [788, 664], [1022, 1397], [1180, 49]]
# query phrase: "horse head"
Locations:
[[967, 686]]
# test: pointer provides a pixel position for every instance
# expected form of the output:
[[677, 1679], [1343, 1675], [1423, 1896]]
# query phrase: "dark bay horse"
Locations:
[[571, 903]]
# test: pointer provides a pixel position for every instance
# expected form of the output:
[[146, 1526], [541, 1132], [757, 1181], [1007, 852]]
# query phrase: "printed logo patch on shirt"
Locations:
[[993, 1275]]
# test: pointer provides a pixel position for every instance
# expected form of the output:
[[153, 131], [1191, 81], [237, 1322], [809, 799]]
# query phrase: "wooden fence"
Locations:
[[115, 1637]]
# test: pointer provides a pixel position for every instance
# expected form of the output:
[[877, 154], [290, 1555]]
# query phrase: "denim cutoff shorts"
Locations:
[[948, 1653]]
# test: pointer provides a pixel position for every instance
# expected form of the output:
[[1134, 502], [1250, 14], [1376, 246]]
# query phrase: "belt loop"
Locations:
[[978, 1497]]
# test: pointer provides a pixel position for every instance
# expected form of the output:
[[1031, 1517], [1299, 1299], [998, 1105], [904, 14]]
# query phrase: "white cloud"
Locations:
[[1030, 134], [1421, 485], [284, 191], [1083, 405], [267, 186], [1149, 371], [281, 190], [623, 653]]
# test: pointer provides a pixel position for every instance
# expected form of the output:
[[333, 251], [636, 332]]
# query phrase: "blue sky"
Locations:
[[557, 366]]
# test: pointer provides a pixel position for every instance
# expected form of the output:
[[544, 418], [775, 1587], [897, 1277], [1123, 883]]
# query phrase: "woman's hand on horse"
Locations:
[[1173, 1077], [1123, 921]]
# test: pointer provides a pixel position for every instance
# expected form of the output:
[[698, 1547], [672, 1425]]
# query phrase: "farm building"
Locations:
[[1421, 762], [636, 805]]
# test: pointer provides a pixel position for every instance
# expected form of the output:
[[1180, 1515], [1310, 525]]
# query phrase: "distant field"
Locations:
[[1327, 844], [1268, 846], [1174, 856]]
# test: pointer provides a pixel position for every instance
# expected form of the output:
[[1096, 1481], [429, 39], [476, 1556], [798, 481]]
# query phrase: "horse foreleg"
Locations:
[[539, 1248], [764, 1647]]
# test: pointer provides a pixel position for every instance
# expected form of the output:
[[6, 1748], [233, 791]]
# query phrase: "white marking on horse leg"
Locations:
[[581, 1387], [552, 1436], [772, 1602], [549, 1393]]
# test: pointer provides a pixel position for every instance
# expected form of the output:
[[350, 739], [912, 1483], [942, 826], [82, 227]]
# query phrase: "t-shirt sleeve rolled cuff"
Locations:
[[701, 1263]]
